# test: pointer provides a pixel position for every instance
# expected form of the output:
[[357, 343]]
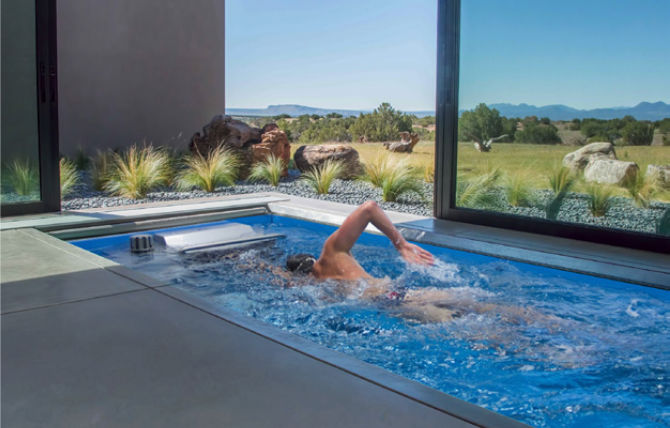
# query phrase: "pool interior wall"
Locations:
[[641, 402]]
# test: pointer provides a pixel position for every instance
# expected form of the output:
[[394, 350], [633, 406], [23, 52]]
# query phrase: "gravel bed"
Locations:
[[622, 213]]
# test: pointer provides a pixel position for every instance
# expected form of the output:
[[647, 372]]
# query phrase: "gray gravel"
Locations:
[[622, 213]]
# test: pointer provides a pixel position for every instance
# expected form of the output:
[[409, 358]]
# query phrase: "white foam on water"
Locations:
[[630, 311], [439, 270]]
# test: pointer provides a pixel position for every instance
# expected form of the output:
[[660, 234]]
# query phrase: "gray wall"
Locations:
[[134, 70]]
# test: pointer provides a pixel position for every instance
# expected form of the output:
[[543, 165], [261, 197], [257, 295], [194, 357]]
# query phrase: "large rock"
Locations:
[[307, 157], [273, 142], [607, 171], [579, 159], [249, 144], [660, 173], [406, 143]]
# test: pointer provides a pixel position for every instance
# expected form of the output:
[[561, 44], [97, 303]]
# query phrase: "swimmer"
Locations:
[[336, 260]]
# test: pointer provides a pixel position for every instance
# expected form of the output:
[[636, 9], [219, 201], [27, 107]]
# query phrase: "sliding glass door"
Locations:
[[29, 123]]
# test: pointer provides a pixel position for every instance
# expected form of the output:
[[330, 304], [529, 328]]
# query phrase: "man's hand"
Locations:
[[415, 254]]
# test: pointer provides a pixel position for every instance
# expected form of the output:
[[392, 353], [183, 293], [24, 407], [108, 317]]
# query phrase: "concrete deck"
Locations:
[[88, 342]]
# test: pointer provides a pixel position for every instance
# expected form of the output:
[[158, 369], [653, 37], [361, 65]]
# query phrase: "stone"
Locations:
[[659, 173], [307, 157], [608, 171], [273, 142], [579, 159], [406, 143]]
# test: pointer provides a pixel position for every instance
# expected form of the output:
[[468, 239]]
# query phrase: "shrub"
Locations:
[[534, 132], [478, 192], [69, 177], [641, 189], [218, 168], [480, 124], [399, 180], [136, 171], [269, 171], [519, 192], [101, 168], [560, 181], [22, 177], [378, 169], [320, 178], [600, 198], [638, 133]]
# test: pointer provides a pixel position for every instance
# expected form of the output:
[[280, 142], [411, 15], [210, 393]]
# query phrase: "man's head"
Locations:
[[302, 263]]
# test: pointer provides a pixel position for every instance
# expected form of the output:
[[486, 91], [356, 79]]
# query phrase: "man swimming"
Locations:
[[336, 261], [428, 304]]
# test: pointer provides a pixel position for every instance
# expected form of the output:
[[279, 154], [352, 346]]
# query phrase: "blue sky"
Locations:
[[357, 54]]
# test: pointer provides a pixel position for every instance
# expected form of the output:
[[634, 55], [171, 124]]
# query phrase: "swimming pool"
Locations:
[[546, 347]]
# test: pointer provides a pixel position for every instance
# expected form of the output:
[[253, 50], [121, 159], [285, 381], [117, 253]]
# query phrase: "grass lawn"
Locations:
[[531, 160]]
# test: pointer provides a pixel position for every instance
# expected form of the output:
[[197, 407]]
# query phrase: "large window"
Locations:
[[559, 124]]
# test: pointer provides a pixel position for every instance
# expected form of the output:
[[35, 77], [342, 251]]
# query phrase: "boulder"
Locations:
[[579, 159], [607, 171], [307, 157], [406, 143], [249, 144], [660, 173], [273, 142]]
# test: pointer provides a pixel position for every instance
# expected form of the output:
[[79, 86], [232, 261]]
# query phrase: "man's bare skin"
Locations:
[[336, 261]]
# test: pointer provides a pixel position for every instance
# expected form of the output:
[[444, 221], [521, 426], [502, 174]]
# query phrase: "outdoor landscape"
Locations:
[[514, 165]]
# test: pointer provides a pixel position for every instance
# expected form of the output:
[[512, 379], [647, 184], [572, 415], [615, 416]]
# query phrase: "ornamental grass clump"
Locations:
[[600, 199], [641, 189], [22, 177], [101, 169], [478, 192], [137, 171], [321, 177], [69, 177], [398, 180], [519, 192], [429, 173], [378, 169], [269, 171], [218, 168], [561, 182]]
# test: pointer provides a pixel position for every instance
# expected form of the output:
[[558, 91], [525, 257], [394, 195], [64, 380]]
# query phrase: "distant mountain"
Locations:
[[642, 111], [296, 110]]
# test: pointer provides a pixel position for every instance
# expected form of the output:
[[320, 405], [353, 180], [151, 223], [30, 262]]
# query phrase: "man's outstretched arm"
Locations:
[[369, 212]]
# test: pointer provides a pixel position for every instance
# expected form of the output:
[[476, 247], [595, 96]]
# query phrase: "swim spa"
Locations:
[[546, 347]]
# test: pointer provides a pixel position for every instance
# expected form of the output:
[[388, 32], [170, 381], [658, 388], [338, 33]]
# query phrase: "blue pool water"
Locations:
[[546, 347]]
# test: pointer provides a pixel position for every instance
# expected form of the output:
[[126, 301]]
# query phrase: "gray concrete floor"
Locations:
[[86, 342]]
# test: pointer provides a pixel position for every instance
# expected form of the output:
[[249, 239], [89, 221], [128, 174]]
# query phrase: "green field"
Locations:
[[531, 160]]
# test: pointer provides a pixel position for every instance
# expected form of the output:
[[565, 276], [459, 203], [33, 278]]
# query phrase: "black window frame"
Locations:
[[446, 156], [47, 115]]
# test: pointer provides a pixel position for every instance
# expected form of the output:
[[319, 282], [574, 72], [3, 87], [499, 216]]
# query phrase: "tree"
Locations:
[[480, 125], [536, 132], [383, 124], [638, 133], [333, 115]]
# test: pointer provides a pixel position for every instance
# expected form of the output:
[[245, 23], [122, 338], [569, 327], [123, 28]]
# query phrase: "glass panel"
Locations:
[[362, 85], [20, 143], [559, 112]]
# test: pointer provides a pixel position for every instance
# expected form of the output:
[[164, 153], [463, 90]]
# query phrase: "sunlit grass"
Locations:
[[69, 177], [321, 177], [269, 171], [207, 172], [641, 189], [600, 199], [479, 192], [377, 169], [137, 171], [399, 180], [561, 181], [519, 191]]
